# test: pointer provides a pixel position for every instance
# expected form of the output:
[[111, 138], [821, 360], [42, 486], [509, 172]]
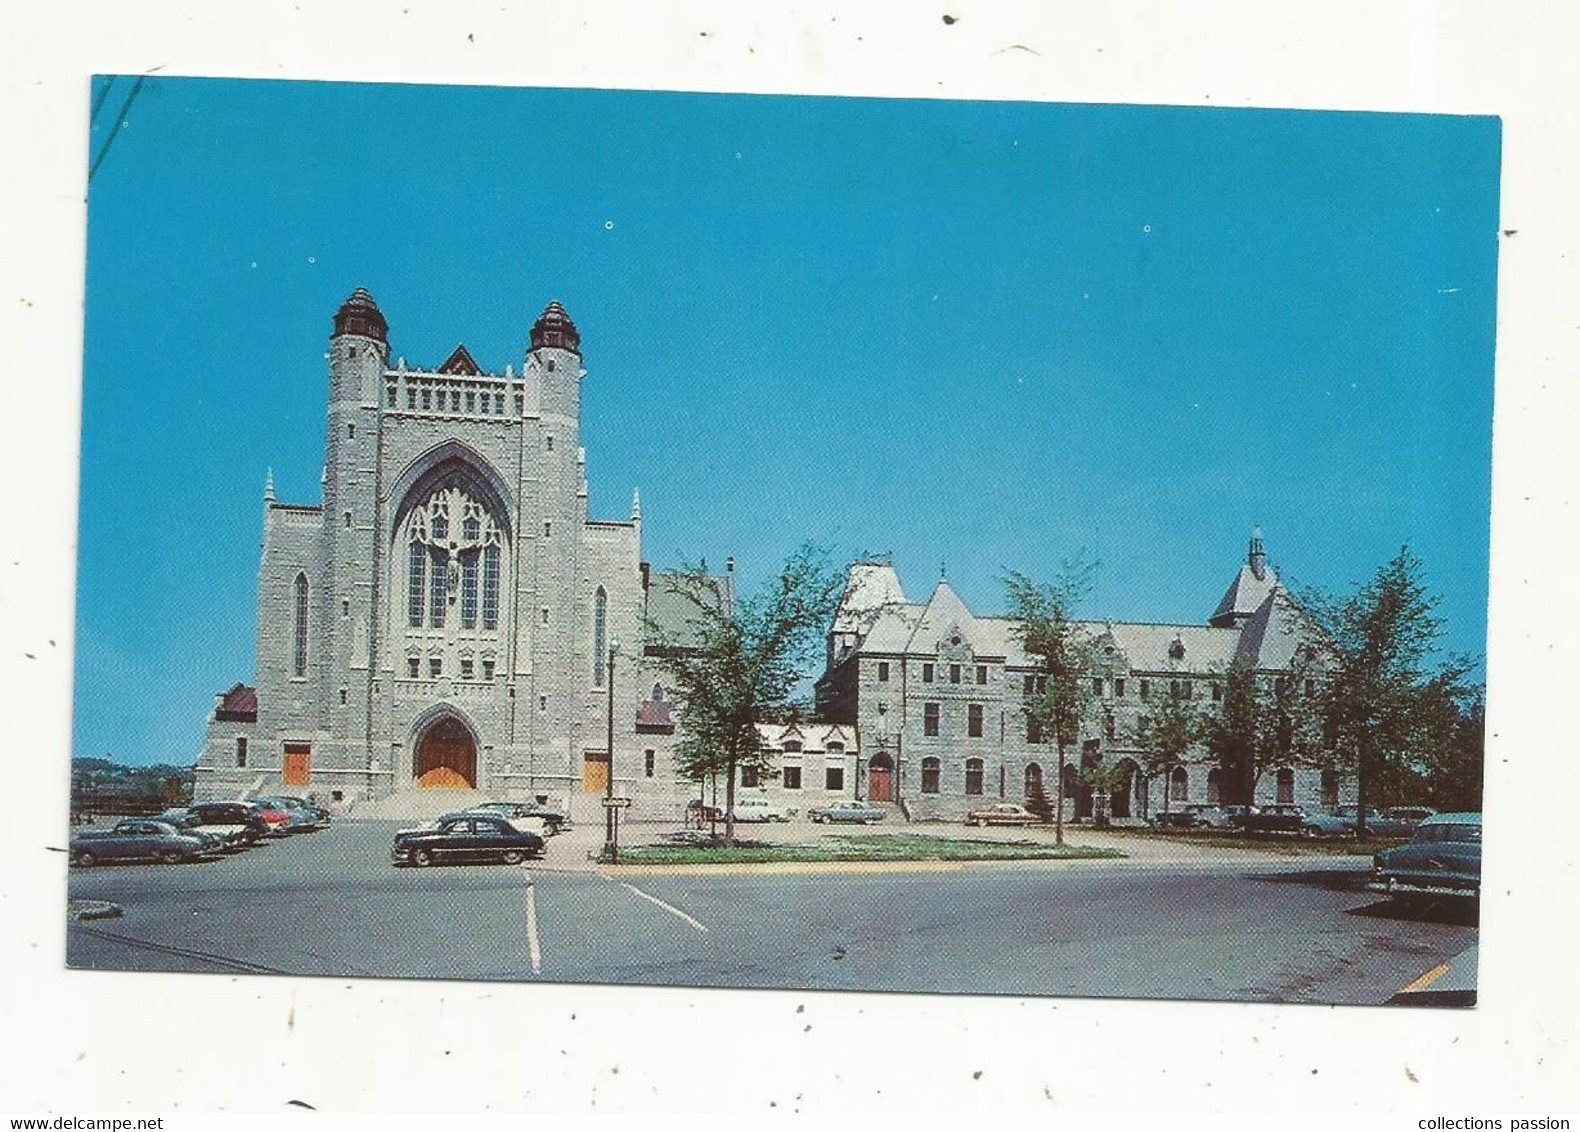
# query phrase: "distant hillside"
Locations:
[[98, 783]]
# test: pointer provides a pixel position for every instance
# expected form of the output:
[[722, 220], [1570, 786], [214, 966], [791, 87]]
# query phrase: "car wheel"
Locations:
[[973, 823], [86, 859], [172, 856], [422, 857], [513, 856], [1309, 831]]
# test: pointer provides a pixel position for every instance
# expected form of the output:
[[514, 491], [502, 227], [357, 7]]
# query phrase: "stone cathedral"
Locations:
[[443, 617]]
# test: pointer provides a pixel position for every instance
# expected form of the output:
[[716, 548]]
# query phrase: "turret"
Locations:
[[554, 362], [359, 349]]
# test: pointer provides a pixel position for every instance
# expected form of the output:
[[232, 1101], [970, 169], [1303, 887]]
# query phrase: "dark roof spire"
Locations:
[[554, 328], [1256, 557], [359, 314]]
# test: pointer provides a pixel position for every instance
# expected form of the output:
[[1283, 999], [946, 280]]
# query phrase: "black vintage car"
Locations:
[[239, 823], [464, 838]]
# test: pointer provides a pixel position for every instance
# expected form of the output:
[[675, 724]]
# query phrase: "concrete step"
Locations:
[[420, 805]]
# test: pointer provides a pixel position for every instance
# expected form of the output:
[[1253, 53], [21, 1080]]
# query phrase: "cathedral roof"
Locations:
[[555, 328], [359, 314], [460, 362], [674, 614], [239, 704]]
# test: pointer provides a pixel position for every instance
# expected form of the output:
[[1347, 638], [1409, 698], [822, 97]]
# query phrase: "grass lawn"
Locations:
[[860, 847]]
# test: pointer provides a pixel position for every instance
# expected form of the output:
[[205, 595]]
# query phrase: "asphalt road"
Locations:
[[330, 903]]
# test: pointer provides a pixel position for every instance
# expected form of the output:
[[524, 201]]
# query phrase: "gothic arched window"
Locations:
[[600, 636], [453, 558], [299, 661]]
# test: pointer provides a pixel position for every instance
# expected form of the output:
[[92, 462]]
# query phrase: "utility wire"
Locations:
[[120, 120]]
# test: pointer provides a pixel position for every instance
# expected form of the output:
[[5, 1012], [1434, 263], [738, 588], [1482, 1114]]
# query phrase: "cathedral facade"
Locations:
[[445, 617]]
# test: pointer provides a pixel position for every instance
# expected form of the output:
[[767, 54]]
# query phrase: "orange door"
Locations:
[[298, 764], [881, 788], [595, 774]]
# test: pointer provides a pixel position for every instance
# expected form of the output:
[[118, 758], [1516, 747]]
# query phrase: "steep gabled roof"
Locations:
[[1250, 588], [943, 615], [460, 362], [1275, 633], [237, 705], [675, 615]]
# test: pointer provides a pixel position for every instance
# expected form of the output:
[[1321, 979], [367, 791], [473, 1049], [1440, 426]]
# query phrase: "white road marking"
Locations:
[[533, 948], [670, 908]]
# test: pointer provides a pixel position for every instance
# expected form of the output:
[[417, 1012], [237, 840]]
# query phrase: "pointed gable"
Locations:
[[460, 362], [945, 622]]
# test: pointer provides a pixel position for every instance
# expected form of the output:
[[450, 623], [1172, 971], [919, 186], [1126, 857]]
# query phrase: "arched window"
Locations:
[[835, 747], [1214, 786], [658, 693], [973, 776], [600, 636], [1286, 785], [930, 775], [299, 664], [792, 746], [1033, 780], [453, 546], [1330, 786], [1179, 784]]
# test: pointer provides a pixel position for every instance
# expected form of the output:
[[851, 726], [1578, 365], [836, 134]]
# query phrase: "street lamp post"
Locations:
[[610, 846]]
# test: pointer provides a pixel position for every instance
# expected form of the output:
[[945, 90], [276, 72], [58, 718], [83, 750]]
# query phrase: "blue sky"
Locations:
[[987, 335]]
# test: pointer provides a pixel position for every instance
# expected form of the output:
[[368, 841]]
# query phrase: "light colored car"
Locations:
[[759, 809], [1003, 813], [862, 813], [135, 839]]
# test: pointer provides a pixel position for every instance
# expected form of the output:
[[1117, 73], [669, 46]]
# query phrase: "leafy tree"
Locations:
[[736, 663], [1381, 691], [1165, 734], [1059, 646]]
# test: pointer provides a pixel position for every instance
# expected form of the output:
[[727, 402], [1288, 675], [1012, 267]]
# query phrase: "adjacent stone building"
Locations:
[[938, 695]]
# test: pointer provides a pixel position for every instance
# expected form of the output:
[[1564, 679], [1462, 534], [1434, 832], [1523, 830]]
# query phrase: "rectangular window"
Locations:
[[521, 404], [490, 587], [649, 759], [1030, 685], [469, 592], [466, 669], [1146, 689], [883, 672], [930, 719], [488, 671], [974, 721], [1033, 729], [927, 674], [548, 529], [973, 776], [981, 674], [413, 667], [834, 778], [954, 674], [427, 398], [438, 587], [348, 520], [411, 398], [1187, 690], [543, 703], [345, 608], [791, 776], [1174, 689], [550, 440], [1097, 686], [544, 615], [241, 750], [930, 776], [1311, 687], [748, 777], [351, 432], [499, 404], [390, 399], [435, 667], [471, 401], [455, 400], [1119, 689], [342, 697]]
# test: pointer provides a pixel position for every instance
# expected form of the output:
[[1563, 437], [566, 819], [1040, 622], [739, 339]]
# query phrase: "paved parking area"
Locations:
[[330, 903]]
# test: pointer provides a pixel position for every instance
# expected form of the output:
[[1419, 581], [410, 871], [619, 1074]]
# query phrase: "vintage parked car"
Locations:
[[1281, 817], [136, 839], [465, 838], [552, 820], [298, 818], [1003, 813], [186, 822], [860, 812], [1193, 815], [1399, 821], [1442, 859], [239, 823], [759, 809], [316, 814]]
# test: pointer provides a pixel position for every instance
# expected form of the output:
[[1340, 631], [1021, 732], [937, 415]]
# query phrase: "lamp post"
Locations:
[[608, 811]]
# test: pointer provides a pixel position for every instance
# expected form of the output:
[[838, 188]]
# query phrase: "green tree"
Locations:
[[1061, 650], [736, 662], [1382, 689], [1165, 734]]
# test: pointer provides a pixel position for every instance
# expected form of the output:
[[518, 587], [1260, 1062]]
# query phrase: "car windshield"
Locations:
[[1447, 832]]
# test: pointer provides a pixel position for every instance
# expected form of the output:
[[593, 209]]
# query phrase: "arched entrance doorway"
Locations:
[[880, 778], [446, 756]]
